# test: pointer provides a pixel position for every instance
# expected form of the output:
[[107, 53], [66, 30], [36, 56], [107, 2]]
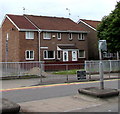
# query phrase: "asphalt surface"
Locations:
[[32, 94]]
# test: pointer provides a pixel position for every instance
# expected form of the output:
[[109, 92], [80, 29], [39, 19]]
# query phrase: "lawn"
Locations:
[[70, 72]]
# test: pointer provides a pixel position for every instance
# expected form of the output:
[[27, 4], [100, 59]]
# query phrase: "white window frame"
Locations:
[[59, 38], [47, 54], [44, 36], [81, 36], [70, 38], [28, 35], [79, 54], [29, 55]]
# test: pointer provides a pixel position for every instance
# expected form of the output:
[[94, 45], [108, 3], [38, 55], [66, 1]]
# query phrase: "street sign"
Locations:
[[102, 45]]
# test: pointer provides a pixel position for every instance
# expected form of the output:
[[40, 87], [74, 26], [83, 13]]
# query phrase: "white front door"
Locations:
[[74, 55], [65, 55]]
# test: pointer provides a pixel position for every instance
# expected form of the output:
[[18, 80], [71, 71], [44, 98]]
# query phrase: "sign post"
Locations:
[[102, 47]]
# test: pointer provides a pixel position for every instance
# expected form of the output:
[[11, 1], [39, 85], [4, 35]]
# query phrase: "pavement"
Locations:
[[51, 79], [74, 103]]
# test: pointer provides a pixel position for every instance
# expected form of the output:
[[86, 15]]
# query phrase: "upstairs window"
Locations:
[[59, 36], [70, 36], [81, 36], [29, 35], [46, 35], [29, 55]]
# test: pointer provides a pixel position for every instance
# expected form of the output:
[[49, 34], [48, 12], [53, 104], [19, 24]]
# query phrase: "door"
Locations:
[[65, 55], [74, 55]]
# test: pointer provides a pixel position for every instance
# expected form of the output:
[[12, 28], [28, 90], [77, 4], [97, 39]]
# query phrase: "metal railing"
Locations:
[[58, 73], [21, 68], [108, 66]]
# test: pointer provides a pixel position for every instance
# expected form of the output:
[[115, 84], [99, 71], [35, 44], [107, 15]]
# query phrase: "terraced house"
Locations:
[[42, 38], [91, 26]]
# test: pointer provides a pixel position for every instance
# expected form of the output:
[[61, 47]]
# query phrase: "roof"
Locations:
[[91, 23], [21, 22], [44, 23], [54, 23]]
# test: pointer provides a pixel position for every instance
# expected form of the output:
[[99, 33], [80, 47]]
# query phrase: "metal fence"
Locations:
[[21, 68], [108, 66], [58, 73]]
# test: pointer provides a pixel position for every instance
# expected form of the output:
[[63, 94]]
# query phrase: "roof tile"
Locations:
[[21, 22], [54, 23], [45, 23]]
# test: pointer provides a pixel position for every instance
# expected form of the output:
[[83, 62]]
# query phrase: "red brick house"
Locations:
[[42, 38], [91, 25]]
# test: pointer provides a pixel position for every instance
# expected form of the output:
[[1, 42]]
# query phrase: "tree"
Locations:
[[109, 29]]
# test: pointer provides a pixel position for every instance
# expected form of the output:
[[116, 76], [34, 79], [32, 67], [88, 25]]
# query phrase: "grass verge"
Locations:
[[70, 72]]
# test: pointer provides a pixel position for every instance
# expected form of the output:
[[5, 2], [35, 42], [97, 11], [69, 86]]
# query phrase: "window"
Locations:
[[81, 36], [29, 55], [70, 36], [29, 35], [58, 55], [59, 36], [46, 35], [81, 53], [49, 54]]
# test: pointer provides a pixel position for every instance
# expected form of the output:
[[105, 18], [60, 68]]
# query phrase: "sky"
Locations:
[[78, 9]]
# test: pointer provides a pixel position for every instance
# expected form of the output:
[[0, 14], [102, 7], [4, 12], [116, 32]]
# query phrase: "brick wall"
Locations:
[[17, 44], [13, 42], [92, 42], [53, 42], [28, 44]]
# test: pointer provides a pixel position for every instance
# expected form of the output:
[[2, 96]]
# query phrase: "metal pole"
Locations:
[[101, 70], [101, 75], [67, 71], [40, 71]]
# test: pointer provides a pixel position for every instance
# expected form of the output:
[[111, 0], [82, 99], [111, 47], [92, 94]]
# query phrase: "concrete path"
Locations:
[[76, 103]]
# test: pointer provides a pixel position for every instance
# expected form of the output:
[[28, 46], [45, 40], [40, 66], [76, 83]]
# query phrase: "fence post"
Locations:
[[109, 68], [67, 72], [18, 65], [90, 69], [40, 65], [110, 65]]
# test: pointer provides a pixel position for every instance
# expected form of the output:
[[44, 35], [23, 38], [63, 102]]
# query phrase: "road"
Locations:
[[26, 94]]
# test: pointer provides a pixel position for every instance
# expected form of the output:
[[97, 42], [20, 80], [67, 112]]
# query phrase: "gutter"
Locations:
[[64, 31]]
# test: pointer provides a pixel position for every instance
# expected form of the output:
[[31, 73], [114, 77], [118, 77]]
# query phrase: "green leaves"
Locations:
[[109, 29]]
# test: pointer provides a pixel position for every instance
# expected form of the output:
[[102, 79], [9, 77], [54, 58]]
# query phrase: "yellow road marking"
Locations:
[[52, 85]]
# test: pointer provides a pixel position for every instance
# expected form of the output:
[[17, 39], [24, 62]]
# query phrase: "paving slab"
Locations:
[[8, 106], [97, 92], [61, 104]]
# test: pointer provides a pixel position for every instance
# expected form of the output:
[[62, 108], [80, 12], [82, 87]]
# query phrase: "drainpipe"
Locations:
[[39, 58]]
